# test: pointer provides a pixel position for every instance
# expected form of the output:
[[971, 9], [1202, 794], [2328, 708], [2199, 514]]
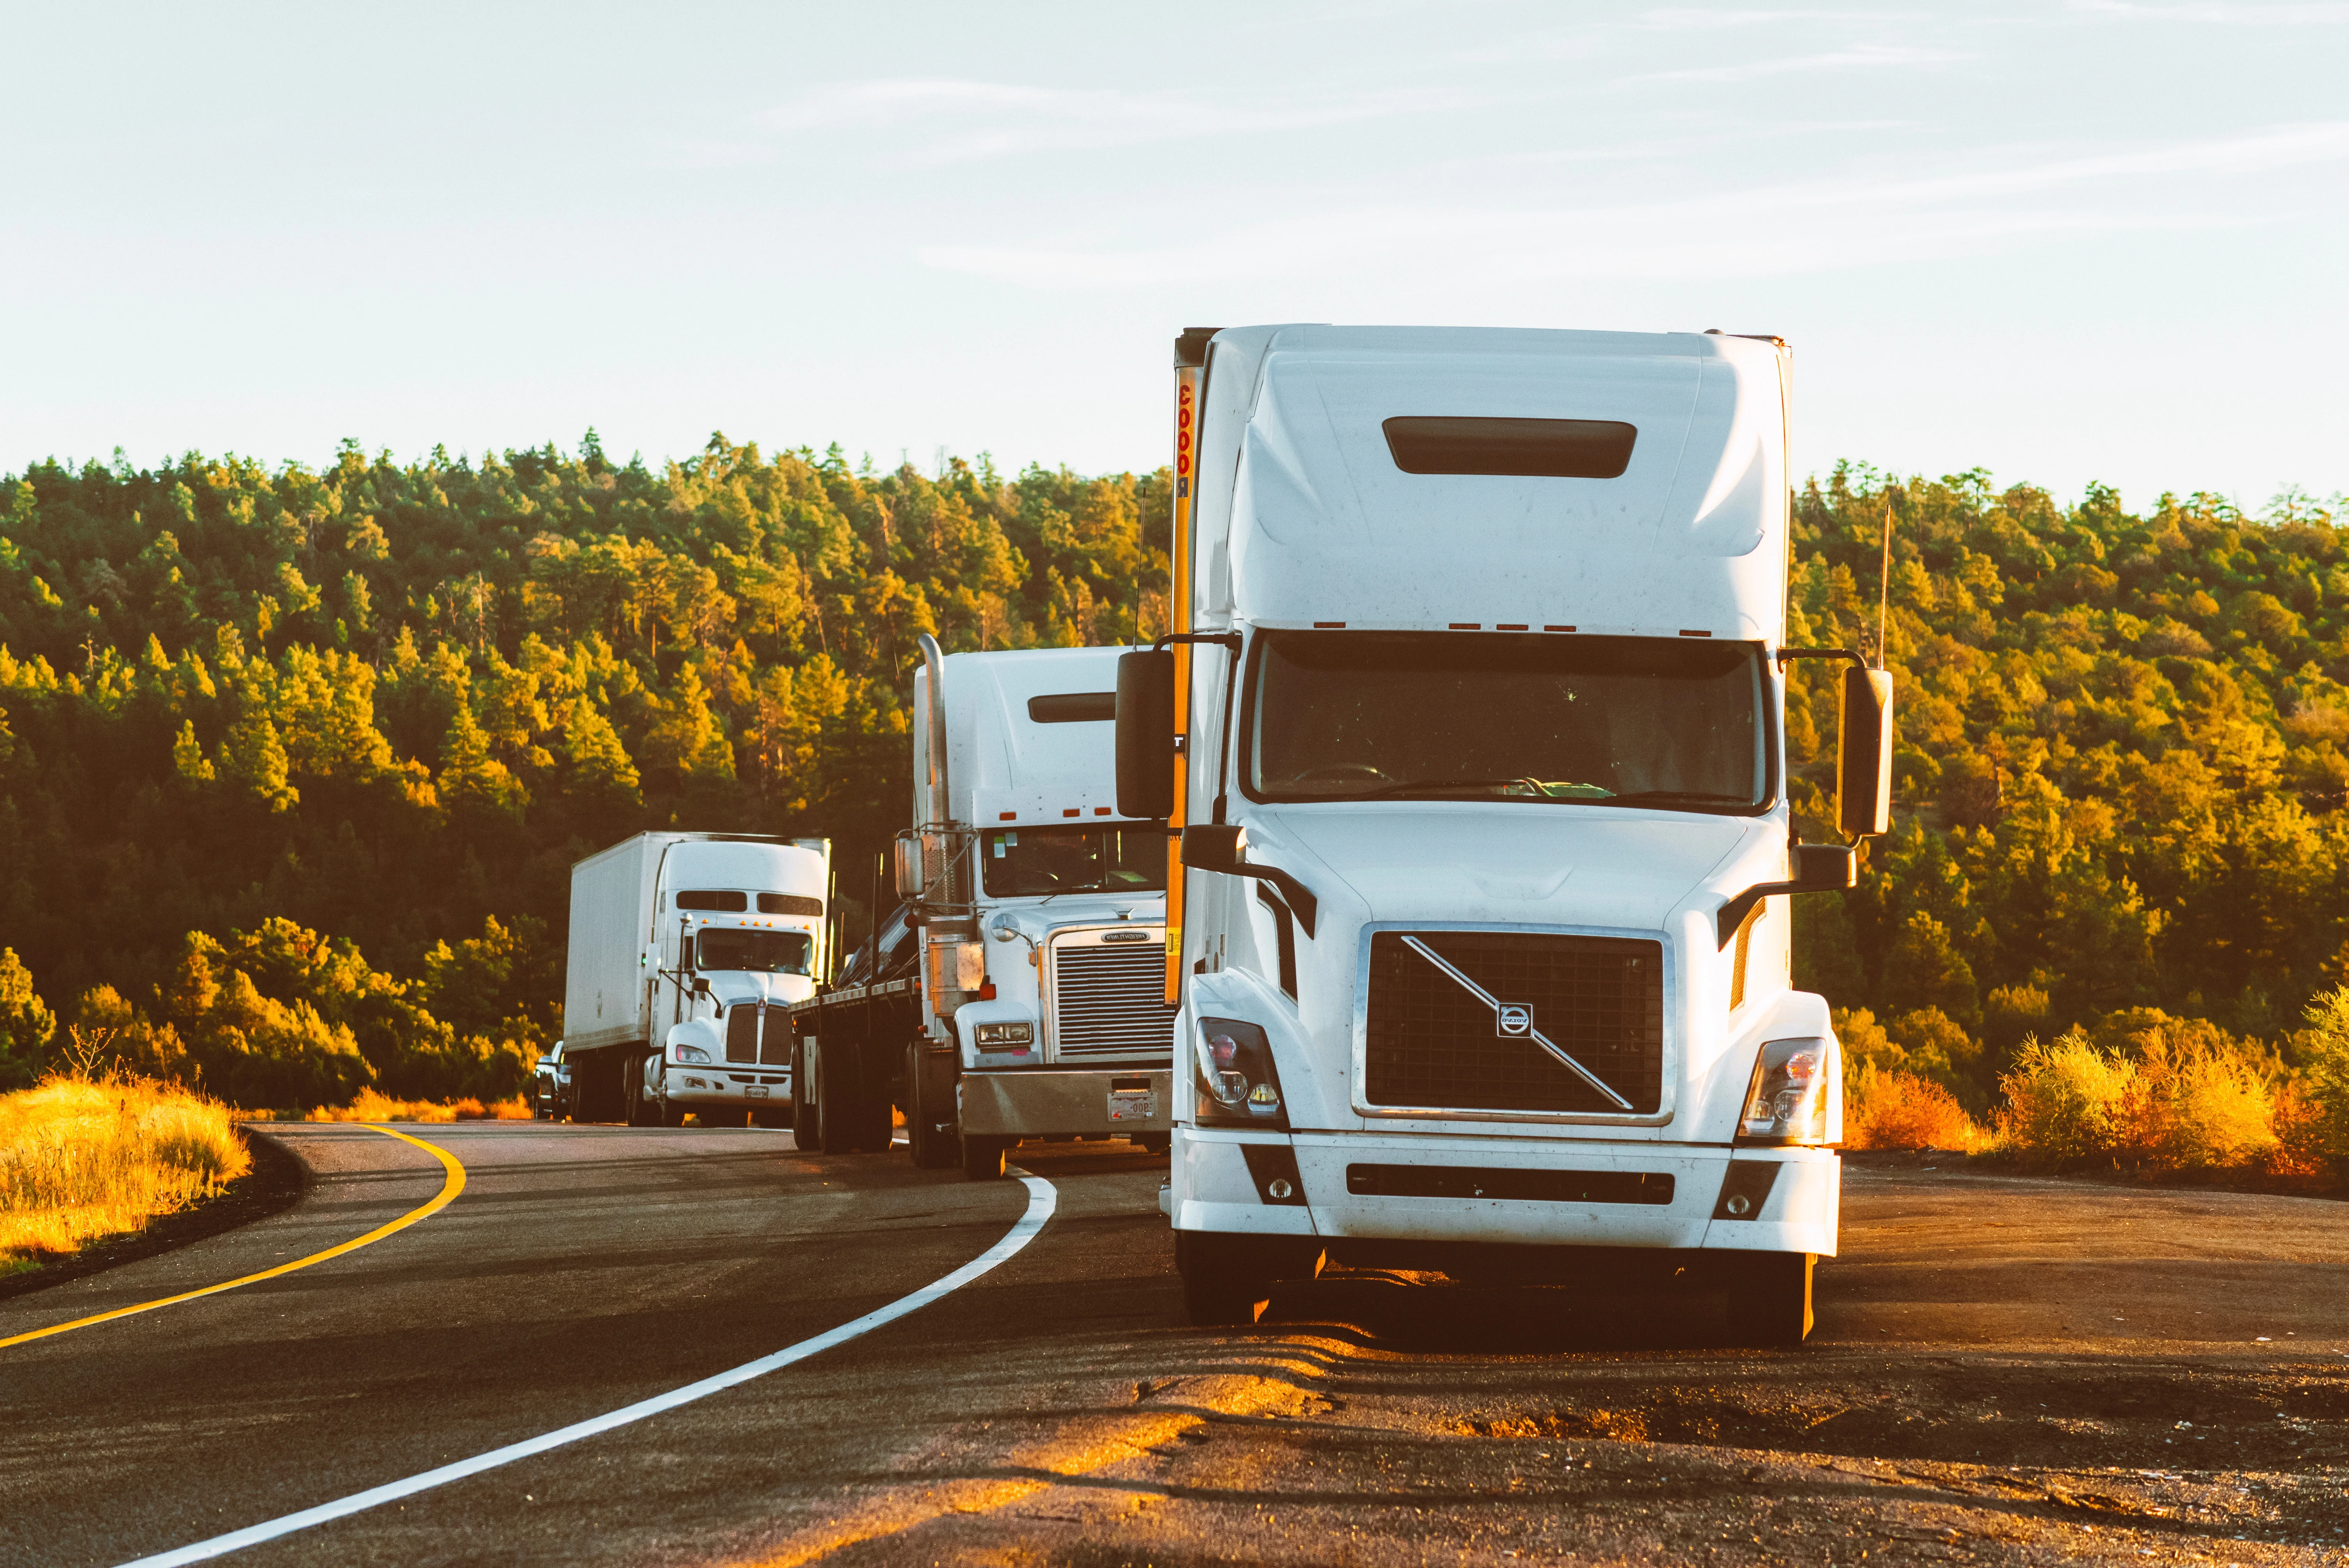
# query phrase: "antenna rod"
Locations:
[[1884, 579]]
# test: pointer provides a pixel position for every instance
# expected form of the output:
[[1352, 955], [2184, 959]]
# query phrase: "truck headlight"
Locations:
[[1237, 1083], [690, 1054], [1003, 1036], [1786, 1101]]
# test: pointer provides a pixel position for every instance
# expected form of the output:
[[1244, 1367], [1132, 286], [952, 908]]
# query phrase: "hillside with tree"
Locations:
[[294, 762]]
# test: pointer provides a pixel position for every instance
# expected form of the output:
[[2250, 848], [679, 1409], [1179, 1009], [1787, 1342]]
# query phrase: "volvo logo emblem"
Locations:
[[1513, 1018]]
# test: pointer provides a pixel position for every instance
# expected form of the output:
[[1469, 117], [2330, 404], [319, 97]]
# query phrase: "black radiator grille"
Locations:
[[743, 1041], [1432, 1043]]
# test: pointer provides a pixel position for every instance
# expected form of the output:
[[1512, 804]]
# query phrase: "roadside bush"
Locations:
[[81, 1160], [2321, 1125], [2191, 1108], [372, 1106], [2065, 1101], [1890, 1109]]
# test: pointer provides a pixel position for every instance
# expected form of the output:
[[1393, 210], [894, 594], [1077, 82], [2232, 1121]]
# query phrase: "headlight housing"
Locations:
[[690, 1054], [1238, 1084], [1786, 1100], [1003, 1036]]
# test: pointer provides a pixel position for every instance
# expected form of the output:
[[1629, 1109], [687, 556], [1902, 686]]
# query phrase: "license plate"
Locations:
[[1132, 1104], [755, 1090]]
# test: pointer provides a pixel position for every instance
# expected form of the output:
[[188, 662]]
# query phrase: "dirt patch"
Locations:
[[270, 1187]]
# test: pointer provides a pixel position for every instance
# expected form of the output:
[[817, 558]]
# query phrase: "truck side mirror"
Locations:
[[700, 985], [1864, 754], [1826, 868], [1145, 733], [1214, 847]]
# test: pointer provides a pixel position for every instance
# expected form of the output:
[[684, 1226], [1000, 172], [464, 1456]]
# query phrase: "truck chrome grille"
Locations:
[[1110, 1001], [1431, 1042]]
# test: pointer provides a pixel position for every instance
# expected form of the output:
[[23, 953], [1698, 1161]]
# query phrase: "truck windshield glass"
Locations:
[[1647, 722], [767, 952], [1025, 862]]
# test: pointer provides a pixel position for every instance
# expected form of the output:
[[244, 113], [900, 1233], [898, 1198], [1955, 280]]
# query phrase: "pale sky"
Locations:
[[2064, 243]]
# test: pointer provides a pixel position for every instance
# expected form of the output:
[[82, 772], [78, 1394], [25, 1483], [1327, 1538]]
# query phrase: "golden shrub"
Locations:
[[1890, 1109], [81, 1160]]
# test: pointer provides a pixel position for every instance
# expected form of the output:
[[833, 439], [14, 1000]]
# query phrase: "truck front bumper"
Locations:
[[734, 1090], [1369, 1187], [1041, 1102]]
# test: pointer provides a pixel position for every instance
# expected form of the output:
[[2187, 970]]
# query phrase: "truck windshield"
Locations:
[[1025, 862], [1603, 721], [768, 951]]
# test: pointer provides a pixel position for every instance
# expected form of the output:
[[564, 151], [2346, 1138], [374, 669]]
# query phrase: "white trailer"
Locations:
[[1474, 742], [681, 945], [1037, 1012]]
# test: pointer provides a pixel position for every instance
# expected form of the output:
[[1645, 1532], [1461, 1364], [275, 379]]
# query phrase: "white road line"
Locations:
[[1042, 1199]]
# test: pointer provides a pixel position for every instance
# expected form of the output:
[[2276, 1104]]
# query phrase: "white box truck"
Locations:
[[681, 944], [1472, 739], [1037, 1009]]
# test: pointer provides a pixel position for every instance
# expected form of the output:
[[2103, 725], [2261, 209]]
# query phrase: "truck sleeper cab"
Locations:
[[1473, 743]]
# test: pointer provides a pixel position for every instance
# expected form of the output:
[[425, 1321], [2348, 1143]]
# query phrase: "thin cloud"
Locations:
[[1859, 56], [1753, 231], [2321, 13], [954, 120]]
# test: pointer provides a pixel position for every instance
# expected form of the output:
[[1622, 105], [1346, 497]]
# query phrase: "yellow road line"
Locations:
[[453, 1185]]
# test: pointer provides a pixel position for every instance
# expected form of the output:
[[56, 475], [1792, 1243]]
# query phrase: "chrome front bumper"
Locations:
[[1039, 1104]]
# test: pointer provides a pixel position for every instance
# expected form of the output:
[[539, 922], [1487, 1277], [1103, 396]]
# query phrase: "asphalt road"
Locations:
[[2005, 1371]]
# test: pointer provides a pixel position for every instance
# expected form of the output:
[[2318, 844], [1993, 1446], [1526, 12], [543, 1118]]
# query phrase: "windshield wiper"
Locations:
[[1533, 789], [1638, 797]]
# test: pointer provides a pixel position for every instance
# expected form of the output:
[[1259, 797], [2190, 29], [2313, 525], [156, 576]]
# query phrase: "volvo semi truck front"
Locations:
[[1472, 739]]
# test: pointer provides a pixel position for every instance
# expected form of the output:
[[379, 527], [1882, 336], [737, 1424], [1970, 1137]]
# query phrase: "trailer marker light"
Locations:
[[1073, 812], [1689, 633], [1328, 625], [1467, 625], [1557, 628], [1511, 626], [1101, 810]]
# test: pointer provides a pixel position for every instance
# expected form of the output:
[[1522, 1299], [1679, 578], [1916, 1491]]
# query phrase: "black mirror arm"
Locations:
[[1787, 655], [1833, 867], [1302, 902], [1231, 640]]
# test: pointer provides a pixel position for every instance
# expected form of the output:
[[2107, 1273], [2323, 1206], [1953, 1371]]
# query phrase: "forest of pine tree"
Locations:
[[294, 762]]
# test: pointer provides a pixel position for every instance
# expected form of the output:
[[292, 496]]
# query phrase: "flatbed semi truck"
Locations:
[[1026, 1000]]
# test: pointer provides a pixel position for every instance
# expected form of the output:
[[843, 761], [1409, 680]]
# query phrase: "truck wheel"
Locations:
[[671, 1113], [631, 1093], [1223, 1286], [1770, 1297], [982, 1157], [932, 1150], [807, 1122]]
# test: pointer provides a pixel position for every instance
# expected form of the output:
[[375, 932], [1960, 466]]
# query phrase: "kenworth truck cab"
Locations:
[[1038, 1009], [681, 945], [1472, 737]]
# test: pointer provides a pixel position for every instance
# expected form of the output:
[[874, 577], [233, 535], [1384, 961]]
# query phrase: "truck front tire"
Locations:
[[1769, 1297], [807, 1116], [932, 1150], [982, 1157], [1226, 1281]]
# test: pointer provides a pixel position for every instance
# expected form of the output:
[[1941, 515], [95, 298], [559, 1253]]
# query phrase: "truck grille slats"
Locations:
[[1430, 1042], [1110, 1001], [744, 1042]]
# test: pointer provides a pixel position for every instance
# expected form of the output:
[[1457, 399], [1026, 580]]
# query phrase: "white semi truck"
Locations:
[[681, 946], [1473, 742], [1036, 1010]]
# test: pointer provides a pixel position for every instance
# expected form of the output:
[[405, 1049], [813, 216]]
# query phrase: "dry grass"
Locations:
[[1887, 1110], [82, 1159], [371, 1105]]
